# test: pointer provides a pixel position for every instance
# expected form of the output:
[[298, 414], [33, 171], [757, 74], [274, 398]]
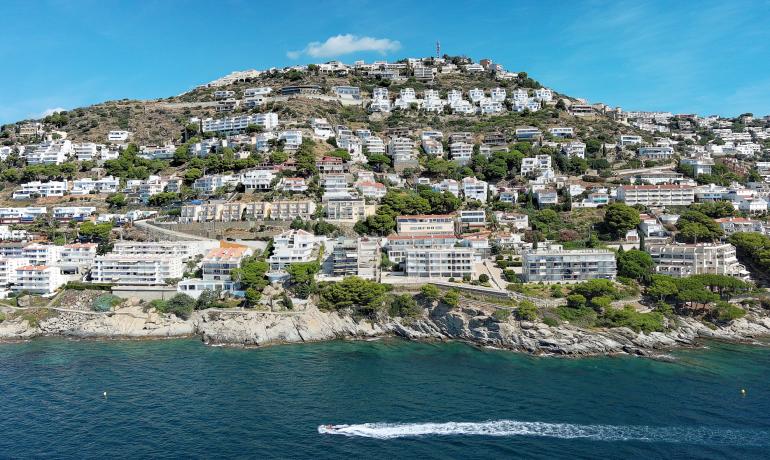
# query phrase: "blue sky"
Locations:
[[696, 56]]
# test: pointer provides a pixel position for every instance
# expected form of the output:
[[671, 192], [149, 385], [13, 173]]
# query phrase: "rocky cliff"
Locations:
[[250, 328]]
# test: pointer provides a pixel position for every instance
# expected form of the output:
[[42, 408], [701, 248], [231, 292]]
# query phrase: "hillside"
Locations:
[[159, 121]]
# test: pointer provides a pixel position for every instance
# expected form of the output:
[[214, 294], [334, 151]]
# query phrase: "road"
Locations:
[[174, 235], [625, 172]]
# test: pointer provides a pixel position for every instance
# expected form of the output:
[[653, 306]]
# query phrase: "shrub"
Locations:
[[452, 298], [552, 322], [510, 276], [600, 303], [430, 292], [105, 302], [501, 315], [632, 319], [484, 278], [725, 312], [582, 316], [405, 306], [527, 311], [576, 301]]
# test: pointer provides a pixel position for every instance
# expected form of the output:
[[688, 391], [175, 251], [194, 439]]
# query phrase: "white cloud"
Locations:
[[52, 111], [346, 44]]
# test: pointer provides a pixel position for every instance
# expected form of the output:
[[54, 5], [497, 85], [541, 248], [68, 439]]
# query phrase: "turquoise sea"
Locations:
[[182, 399]]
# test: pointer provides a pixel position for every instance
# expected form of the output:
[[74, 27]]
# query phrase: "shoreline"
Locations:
[[255, 329]]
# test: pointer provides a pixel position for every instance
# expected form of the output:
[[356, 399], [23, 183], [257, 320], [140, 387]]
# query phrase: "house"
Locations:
[[300, 90], [41, 254], [87, 185], [448, 185], [223, 94], [347, 92], [257, 180], [38, 279], [73, 213], [37, 189], [479, 243], [555, 264], [291, 209], [432, 147], [562, 132], [516, 221], [209, 184], [216, 268], [656, 153], [291, 139], [657, 195], [528, 133], [732, 225], [254, 92], [574, 149], [682, 260], [118, 136], [321, 128], [371, 189], [50, 153], [439, 263], [181, 250], [472, 219], [21, 215], [332, 165], [461, 152], [546, 197], [543, 94], [475, 189], [136, 270], [292, 184], [536, 165], [291, 247], [628, 139]]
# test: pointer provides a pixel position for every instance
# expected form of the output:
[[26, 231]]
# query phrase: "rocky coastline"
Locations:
[[468, 324]]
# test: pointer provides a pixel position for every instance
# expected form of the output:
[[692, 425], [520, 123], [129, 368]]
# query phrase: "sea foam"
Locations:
[[687, 435]]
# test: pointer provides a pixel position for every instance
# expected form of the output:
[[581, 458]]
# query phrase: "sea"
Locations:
[[377, 399]]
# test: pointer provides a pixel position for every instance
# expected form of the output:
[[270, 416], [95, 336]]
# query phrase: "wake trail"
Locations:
[[686, 435]]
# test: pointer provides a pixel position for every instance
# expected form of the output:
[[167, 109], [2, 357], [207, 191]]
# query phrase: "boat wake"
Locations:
[[688, 435]]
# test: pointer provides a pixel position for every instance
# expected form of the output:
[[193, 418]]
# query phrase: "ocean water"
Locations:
[[390, 399]]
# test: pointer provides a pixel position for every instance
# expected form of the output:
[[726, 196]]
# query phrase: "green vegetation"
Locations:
[[754, 248], [452, 298], [364, 297], [302, 282], [501, 315], [695, 226], [634, 264], [430, 292], [694, 293], [405, 306], [527, 311], [632, 319], [396, 203], [105, 302], [620, 218]]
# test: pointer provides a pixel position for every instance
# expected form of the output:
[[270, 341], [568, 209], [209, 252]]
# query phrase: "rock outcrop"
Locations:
[[253, 328]]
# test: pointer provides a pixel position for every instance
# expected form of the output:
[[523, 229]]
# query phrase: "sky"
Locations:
[[705, 56]]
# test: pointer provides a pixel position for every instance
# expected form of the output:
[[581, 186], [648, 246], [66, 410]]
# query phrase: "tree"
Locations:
[[636, 265], [483, 278], [576, 301], [527, 311], [192, 174], [405, 306], [162, 199], [303, 278], [695, 226], [363, 296], [595, 288], [452, 298], [116, 200], [662, 286], [95, 232], [620, 218], [251, 273]]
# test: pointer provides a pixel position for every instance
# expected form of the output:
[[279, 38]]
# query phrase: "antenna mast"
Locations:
[[438, 49]]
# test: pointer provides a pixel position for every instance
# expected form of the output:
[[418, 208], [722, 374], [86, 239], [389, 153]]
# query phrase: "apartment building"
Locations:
[[371, 189], [356, 257], [439, 263], [209, 184], [290, 210], [426, 224], [181, 250], [257, 180], [77, 257], [37, 189], [267, 121], [8, 266], [136, 270], [555, 264], [628, 139], [397, 245], [657, 195], [562, 132], [293, 246], [41, 254], [574, 149], [38, 279], [682, 260], [347, 209], [292, 184], [732, 225]]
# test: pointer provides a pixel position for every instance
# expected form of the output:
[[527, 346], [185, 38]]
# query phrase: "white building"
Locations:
[[257, 180], [461, 152], [657, 195], [73, 213], [216, 269], [268, 121], [136, 270], [439, 263], [118, 136], [291, 247], [682, 260], [475, 189], [555, 264], [37, 189], [77, 257], [656, 153], [536, 165], [50, 153], [87, 185], [38, 279], [574, 149]]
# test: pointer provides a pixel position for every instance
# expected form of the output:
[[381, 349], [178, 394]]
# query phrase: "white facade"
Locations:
[[657, 195], [439, 263], [682, 260], [38, 279], [291, 247], [48, 153], [40, 189], [268, 121], [118, 136], [475, 189], [145, 270], [555, 264]]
